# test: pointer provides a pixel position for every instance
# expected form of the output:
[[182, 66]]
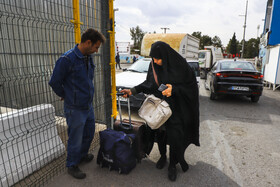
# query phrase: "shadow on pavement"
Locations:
[[145, 174]]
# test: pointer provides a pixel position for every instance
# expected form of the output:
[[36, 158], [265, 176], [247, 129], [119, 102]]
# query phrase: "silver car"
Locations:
[[132, 76]]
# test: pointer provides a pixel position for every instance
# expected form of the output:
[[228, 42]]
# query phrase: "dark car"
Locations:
[[234, 77]]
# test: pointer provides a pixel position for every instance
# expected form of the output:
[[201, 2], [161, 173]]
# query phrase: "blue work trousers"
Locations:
[[81, 128]]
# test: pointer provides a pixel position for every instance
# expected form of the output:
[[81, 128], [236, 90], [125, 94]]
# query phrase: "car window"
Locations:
[[201, 55], [141, 66], [195, 67], [237, 66]]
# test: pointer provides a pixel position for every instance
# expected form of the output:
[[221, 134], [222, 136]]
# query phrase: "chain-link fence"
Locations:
[[33, 131]]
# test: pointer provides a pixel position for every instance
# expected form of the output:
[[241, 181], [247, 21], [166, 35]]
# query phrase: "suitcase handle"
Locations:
[[128, 106], [125, 126]]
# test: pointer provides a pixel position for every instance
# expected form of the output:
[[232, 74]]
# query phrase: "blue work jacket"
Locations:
[[72, 79]]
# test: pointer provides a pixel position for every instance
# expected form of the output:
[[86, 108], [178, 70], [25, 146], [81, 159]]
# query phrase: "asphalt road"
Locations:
[[240, 146]]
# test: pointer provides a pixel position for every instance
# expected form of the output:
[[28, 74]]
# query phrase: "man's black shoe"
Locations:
[[172, 173], [75, 172], [87, 158], [161, 162]]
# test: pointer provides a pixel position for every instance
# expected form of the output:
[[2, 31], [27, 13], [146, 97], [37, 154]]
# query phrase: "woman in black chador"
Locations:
[[182, 128]]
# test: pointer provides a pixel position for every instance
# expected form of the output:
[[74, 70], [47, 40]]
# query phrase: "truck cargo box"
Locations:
[[185, 44]]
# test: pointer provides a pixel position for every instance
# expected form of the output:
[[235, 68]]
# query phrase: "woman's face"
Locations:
[[158, 61]]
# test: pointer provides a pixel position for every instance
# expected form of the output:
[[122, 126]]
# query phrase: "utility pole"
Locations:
[[165, 28], [243, 43]]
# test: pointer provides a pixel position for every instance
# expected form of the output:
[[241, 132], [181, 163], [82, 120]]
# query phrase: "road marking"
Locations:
[[222, 151]]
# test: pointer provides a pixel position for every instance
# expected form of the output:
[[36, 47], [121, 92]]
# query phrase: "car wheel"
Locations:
[[206, 86], [255, 99]]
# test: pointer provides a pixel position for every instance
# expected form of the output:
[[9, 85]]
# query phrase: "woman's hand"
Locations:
[[127, 92], [167, 92]]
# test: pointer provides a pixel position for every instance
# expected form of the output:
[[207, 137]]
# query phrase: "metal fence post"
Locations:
[[112, 63], [76, 21]]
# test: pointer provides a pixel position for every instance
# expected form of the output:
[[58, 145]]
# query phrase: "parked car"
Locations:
[[132, 76], [195, 66], [234, 77]]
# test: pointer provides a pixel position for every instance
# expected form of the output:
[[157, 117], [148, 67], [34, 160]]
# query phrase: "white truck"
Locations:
[[185, 44], [207, 58]]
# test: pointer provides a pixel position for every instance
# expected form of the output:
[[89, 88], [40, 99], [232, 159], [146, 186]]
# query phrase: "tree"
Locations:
[[217, 41], [137, 35], [197, 34], [239, 47], [232, 45], [205, 41], [252, 48]]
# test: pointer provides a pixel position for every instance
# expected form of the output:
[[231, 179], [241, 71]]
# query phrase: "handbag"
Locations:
[[155, 111]]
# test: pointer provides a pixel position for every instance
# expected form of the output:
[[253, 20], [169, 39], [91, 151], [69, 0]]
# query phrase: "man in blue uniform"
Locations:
[[72, 80]]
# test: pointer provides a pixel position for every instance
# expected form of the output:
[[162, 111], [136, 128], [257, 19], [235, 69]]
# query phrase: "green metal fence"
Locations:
[[33, 132]]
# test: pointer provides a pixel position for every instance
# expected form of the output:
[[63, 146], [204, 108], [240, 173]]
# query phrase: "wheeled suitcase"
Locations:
[[116, 151], [140, 129]]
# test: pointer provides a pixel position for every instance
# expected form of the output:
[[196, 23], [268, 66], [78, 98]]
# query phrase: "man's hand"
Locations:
[[61, 99], [167, 92], [127, 92]]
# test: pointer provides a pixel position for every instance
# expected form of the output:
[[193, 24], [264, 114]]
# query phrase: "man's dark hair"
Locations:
[[93, 35]]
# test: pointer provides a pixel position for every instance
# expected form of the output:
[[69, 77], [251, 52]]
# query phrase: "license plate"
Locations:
[[240, 88]]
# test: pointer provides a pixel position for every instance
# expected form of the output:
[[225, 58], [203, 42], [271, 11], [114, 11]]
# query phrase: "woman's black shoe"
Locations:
[[172, 173], [161, 162], [184, 166]]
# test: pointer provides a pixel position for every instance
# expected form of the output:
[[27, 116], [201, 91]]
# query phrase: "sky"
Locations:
[[210, 17]]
